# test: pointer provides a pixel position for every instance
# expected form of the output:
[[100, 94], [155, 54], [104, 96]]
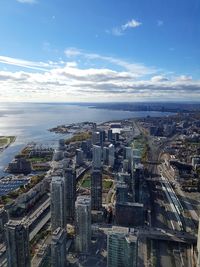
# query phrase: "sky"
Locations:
[[99, 50]]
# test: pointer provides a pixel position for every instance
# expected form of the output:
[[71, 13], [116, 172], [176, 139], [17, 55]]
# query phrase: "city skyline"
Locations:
[[70, 51], [114, 193]]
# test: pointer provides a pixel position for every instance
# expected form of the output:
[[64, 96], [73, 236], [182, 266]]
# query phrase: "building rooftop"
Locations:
[[83, 200], [57, 233], [131, 204], [119, 230]]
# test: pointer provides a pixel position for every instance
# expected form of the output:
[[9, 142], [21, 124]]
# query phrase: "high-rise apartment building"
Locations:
[[110, 137], [105, 155], [17, 242], [79, 157], [96, 157], [129, 157], [58, 248], [58, 214], [70, 193], [121, 247], [3, 221], [111, 157], [95, 138], [121, 192], [96, 189], [102, 137], [83, 224]]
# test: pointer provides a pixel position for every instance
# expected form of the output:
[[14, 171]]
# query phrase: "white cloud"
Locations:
[[67, 81], [27, 1], [118, 31], [137, 69], [71, 83], [71, 64], [72, 51], [24, 63], [184, 78], [131, 24], [159, 78]]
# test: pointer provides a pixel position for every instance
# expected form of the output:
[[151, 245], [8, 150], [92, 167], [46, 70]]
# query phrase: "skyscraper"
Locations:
[[61, 144], [96, 190], [121, 247], [58, 248], [125, 165], [70, 193], [83, 224], [121, 192], [110, 135], [129, 157], [126, 178], [17, 242], [105, 155], [96, 157], [111, 157], [3, 221], [102, 137], [95, 138], [79, 157], [58, 215]]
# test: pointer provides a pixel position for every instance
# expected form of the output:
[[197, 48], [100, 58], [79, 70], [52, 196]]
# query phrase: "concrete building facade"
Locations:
[[121, 247], [83, 224], [17, 242], [96, 157], [96, 190], [58, 248], [70, 193], [58, 214]]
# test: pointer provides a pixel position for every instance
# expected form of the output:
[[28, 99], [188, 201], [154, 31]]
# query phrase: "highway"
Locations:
[[35, 221], [38, 218], [168, 235]]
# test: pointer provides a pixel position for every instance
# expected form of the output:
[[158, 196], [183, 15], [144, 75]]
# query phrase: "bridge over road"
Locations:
[[168, 235]]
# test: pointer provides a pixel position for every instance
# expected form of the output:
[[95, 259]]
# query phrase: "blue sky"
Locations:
[[98, 50]]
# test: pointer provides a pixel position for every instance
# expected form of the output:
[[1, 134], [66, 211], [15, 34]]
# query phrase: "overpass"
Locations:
[[36, 220], [168, 235], [152, 162], [81, 171]]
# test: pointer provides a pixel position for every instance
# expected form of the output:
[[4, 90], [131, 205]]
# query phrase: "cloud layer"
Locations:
[[68, 81]]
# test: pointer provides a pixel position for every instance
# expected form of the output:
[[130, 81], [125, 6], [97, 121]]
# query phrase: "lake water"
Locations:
[[30, 122]]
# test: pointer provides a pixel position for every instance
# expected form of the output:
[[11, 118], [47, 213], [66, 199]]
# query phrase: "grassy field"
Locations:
[[86, 182], [39, 159], [107, 184], [6, 140]]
